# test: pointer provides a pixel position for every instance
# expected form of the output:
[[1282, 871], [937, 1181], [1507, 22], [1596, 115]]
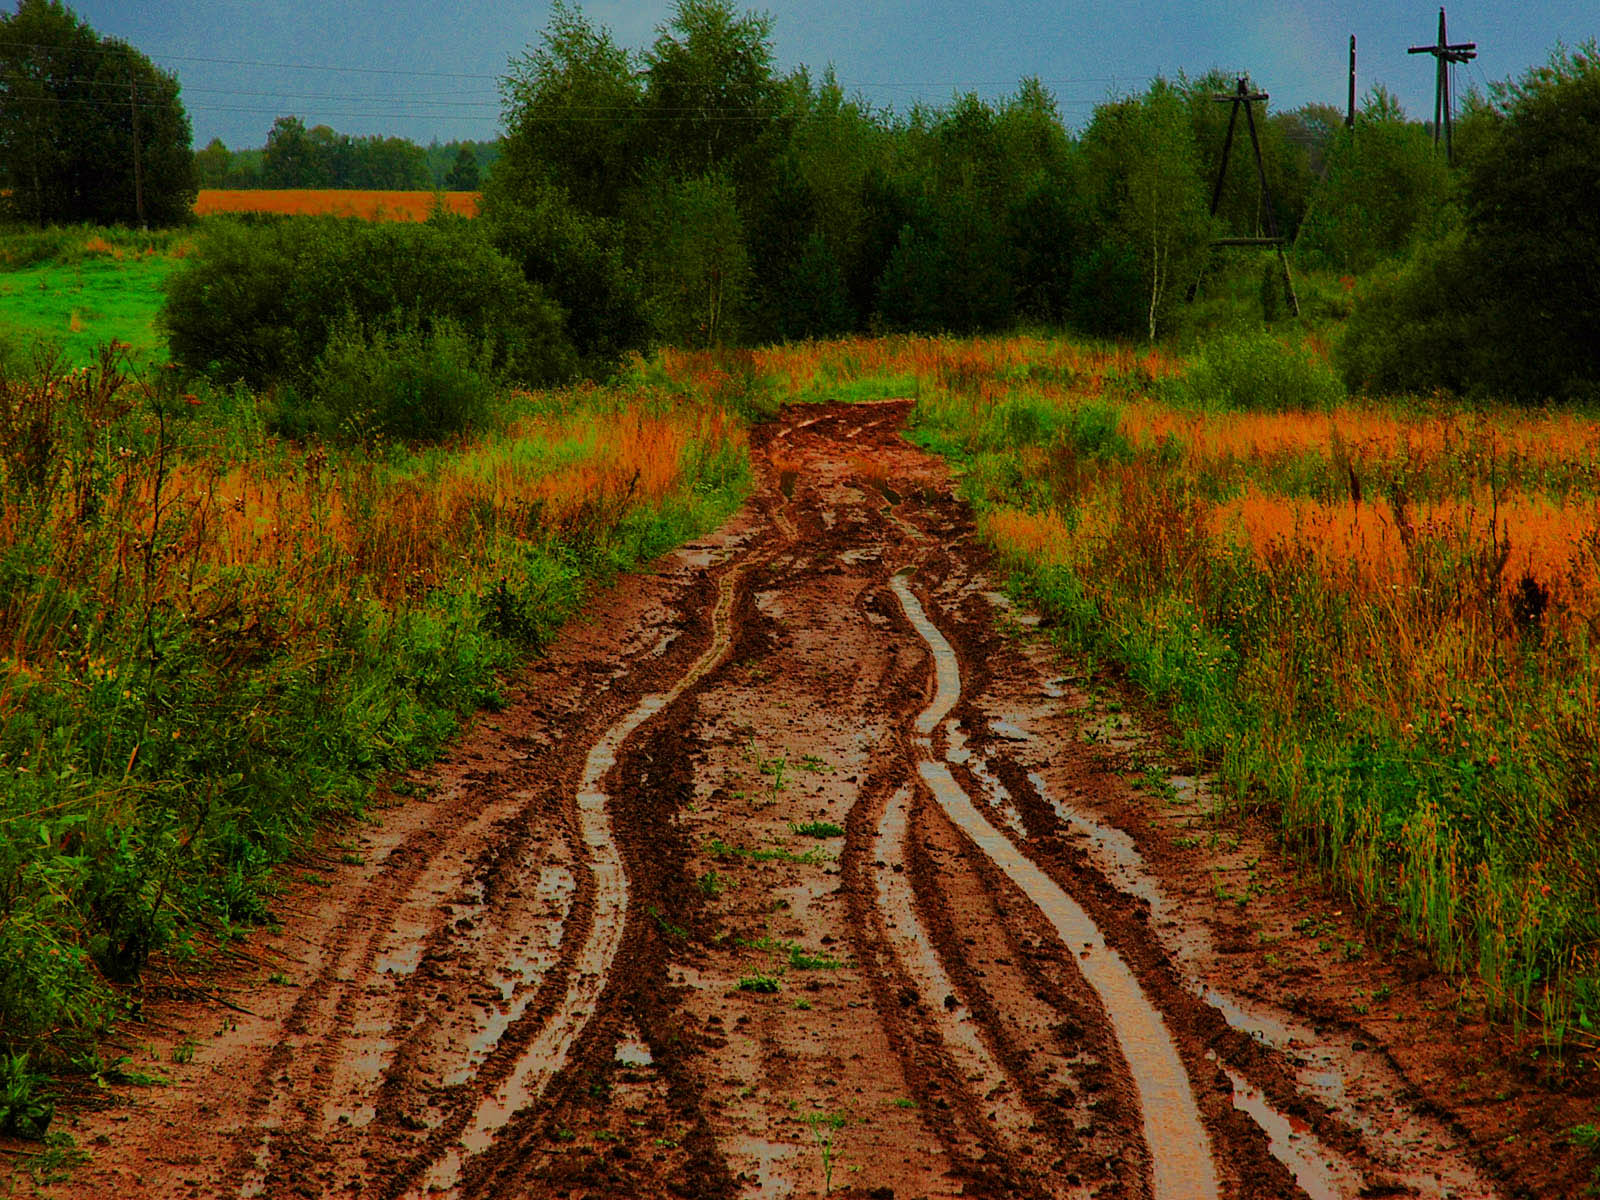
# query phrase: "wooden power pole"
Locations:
[[1350, 109], [1243, 97], [138, 160], [1445, 56]]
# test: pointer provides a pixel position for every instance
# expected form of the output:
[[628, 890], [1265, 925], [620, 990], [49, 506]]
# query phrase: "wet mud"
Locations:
[[803, 864]]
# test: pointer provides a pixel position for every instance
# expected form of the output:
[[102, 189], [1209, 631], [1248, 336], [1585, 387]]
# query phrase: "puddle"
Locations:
[[916, 954], [400, 962], [958, 752], [1180, 1149], [1058, 688], [524, 966], [699, 558], [1111, 851], [1353, 1084], [663, 643], [631, 1052], [1252, 1022], [762, 1174], [1009, 731], [547, 1053], [1319, 1172], [864, 554]]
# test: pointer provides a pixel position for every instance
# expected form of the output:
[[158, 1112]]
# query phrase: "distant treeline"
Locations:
[[738, 204], [320, 157], [689, 194]]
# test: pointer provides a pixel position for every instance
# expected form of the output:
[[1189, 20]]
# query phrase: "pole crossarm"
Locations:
[[1445, 55]]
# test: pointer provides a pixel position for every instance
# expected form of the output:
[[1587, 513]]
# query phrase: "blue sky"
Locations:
[[428, 70]]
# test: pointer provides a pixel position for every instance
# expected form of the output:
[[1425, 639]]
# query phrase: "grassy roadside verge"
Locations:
[[212, 640], [1377, 621]]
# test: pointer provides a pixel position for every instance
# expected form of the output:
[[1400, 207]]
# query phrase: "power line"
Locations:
[[121, 47]]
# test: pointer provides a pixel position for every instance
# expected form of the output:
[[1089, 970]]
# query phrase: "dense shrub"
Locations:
[[1509, 304], [260, 301], [1255, 371], [1421, 327], [406, 382], [576, 259], [1386, 186]]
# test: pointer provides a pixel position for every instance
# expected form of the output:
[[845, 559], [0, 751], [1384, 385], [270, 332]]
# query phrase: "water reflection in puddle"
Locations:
[[1180, 1149], [1321, 1173]]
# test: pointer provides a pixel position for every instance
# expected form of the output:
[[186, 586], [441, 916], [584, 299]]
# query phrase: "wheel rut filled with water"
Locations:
[[804, 864]]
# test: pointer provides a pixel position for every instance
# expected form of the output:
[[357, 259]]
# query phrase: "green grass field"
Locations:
[[82, 305], [79, 287]]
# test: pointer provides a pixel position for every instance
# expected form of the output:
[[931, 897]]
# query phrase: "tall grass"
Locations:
[[211, 639], [335, 202], [1381, 623]]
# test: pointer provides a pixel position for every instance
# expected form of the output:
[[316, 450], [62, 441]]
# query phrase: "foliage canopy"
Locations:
[[73, 108]]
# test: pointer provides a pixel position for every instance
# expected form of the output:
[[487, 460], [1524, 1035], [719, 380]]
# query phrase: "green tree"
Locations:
[[711, 95], [90, 129], [1152, 203], [463, 176], [292, 158], [572, 108], [213, 164], [1386, 187], [575, 258], [1534, 224], [1285, 158], [1508, 303], [693, 259]]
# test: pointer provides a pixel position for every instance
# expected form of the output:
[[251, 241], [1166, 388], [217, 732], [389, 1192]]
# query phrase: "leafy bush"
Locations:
[[576, 259], [407, 382], [1419, 328], [1255, 371], [1105, 298], [24, 1110], [1386, 186], [261, 301], [1508, 304]]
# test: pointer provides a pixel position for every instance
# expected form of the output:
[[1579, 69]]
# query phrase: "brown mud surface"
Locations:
[[804, 863]]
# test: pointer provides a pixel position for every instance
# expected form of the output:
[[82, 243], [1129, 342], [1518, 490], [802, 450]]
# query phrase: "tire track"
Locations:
[[547, 1054], [1181, 1166], [321, 1020]]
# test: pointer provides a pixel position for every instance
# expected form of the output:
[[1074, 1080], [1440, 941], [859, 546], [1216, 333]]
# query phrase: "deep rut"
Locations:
[[787, 871]]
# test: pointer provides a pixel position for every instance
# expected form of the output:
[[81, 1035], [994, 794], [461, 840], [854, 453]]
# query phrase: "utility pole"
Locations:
[[1350, 111], [1243, 97], [1445, 56], [138, 161]]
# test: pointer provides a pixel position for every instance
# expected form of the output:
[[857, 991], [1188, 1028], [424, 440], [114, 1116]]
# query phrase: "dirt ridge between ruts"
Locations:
[[762, 1030]]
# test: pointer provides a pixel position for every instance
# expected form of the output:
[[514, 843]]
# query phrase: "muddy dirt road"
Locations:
[[803, 863]]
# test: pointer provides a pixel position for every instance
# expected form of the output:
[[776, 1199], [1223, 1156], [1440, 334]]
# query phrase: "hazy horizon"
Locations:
[[430, 72]]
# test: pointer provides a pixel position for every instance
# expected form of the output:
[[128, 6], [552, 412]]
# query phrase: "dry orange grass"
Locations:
[[984, 366], [1365, 546], [368, 205], [292, 534], [1528, 439]]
